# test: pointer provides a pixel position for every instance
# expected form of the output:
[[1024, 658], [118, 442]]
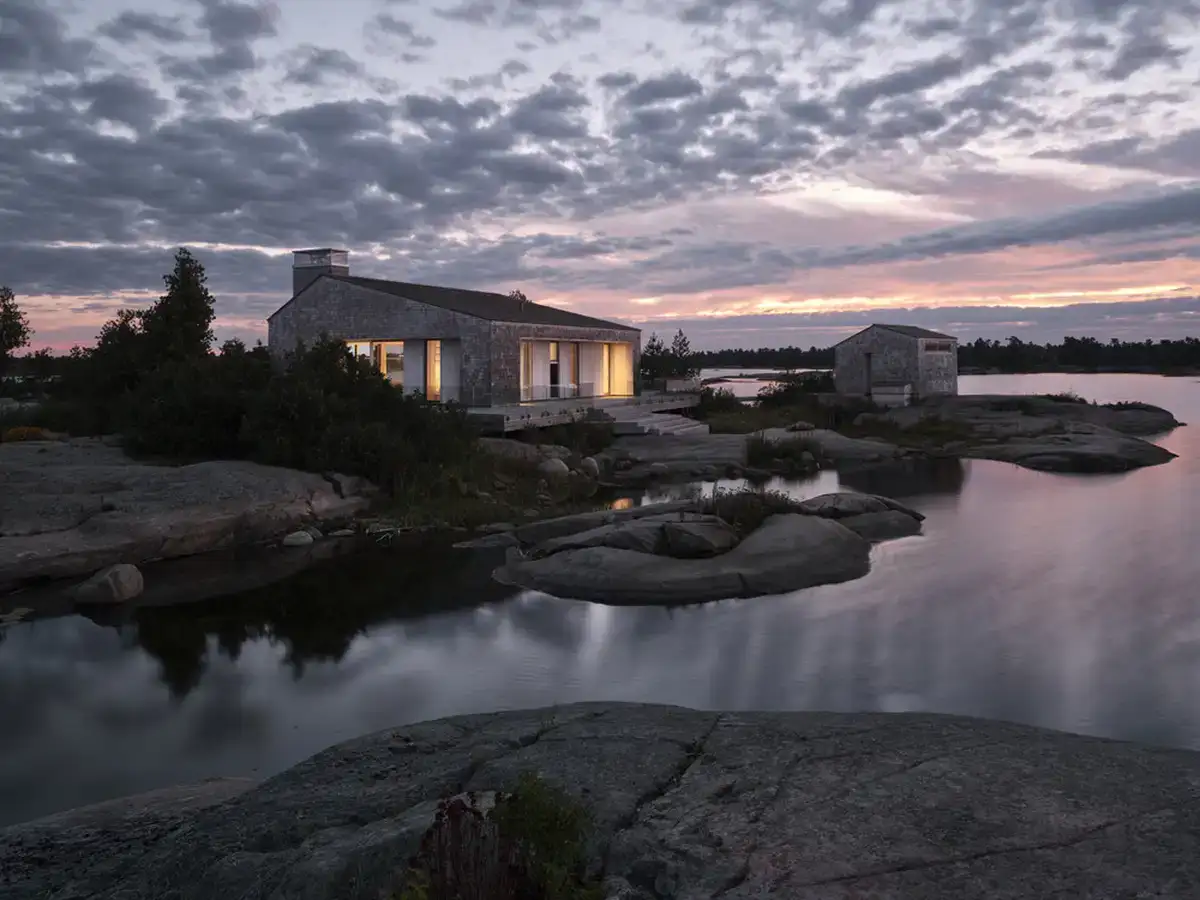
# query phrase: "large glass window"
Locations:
[[433, 370], [526, 370], [393, 362]]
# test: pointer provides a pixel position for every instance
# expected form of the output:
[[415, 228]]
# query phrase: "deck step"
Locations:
[[660, 424]]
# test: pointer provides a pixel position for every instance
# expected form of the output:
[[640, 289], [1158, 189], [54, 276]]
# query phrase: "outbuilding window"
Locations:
[[939, 346]]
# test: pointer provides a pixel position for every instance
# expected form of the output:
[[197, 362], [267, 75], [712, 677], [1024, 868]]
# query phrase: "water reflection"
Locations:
[[1064, 602], [908, 478], [313, 617]]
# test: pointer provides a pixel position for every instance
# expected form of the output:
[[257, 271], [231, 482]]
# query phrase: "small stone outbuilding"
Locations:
[[894, 365], [478, 348]]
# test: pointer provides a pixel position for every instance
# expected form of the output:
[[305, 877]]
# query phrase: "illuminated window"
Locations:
[[433, 370]]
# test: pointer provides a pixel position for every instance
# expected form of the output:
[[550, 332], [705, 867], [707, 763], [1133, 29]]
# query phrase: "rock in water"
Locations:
[[786, 553], [116, 584], [298, 539]]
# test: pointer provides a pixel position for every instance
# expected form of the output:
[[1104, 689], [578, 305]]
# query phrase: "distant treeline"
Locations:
[[1012, 355]]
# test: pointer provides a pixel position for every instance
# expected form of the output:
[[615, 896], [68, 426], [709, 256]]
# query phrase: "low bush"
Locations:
[[583, 438], [795, 388], [715, 401], [748, 508], [530, 846], [799, 452], [1065, 397]]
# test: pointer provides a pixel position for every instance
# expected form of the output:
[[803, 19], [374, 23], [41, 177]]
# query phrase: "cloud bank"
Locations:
[[658, 161]]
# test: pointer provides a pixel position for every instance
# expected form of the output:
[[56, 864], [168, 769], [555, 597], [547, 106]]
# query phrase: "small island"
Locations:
[[731, 544]]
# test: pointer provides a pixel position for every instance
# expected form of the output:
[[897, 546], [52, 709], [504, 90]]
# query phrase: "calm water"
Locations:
[[1063, 601]]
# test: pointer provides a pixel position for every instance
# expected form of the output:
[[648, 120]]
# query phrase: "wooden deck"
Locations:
[[545, 413]]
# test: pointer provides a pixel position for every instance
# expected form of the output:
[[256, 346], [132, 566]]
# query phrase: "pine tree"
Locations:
[[654, 359], [14, 327], [682, 360], [179, 325]]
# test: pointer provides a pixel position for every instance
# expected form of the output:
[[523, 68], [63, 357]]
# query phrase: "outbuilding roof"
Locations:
[[912, 331]]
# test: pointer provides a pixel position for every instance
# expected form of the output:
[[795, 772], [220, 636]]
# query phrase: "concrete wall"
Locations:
[[506, 352], [939, 370], [893, 358]]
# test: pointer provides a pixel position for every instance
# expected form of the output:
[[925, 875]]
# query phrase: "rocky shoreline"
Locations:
[[75, 509], [684, 803]]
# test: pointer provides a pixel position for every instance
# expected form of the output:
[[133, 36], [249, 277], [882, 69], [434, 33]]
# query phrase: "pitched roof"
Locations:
[[482, 304], [916, 332], [912, 331]]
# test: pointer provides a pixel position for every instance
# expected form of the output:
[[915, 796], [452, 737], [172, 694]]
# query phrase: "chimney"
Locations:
[[309, 265]]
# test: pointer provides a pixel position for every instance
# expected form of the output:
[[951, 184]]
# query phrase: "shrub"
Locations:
[[196, 408], [794, 388], [748, 508], [716, 401], [584, 438], [764, 453], [1065, 397], [530, 845]]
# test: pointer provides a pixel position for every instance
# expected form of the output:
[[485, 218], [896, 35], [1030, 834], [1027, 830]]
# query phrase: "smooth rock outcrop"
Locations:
[[786, 553], [686, 804], [844, 504], [545, 529], [1048, 434], [885, 525], [682, 535], [70, 508]]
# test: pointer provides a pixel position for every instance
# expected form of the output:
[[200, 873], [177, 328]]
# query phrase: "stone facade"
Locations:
[[490, 351], [879, 356]]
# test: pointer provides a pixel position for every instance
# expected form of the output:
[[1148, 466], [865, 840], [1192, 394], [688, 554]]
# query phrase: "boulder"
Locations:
[[589, 467], [786, 553], [684, 803], [298, 539], [843, 504], [554, 468], [115, 584]]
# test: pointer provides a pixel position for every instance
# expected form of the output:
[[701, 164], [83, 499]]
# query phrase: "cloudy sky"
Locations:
[[763, 172]]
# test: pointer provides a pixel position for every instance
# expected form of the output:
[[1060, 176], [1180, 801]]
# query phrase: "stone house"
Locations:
[[896, 364], [478, 348]]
